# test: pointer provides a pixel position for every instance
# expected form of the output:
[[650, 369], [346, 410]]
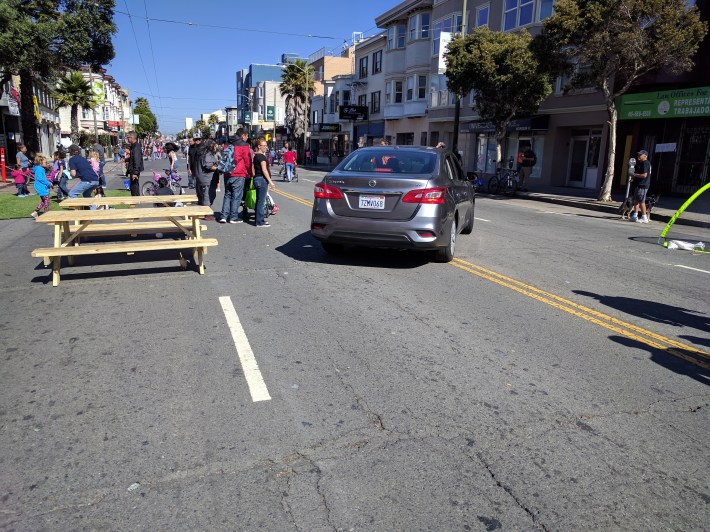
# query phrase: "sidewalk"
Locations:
[[698, 214]]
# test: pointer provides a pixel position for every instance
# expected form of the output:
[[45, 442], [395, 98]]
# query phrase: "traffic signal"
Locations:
[[253, 134]]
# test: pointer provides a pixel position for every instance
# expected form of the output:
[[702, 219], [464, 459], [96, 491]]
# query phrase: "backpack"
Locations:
[[226, 161]]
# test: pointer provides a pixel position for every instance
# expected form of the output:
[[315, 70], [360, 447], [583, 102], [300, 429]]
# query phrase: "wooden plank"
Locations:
[[125, 214], [124, 247], [128, 228], [78, 203]]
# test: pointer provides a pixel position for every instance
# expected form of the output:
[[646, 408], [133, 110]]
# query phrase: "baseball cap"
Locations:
[[642, 152], [197, 134]]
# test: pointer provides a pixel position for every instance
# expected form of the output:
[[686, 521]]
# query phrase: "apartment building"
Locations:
[[111, 115], [407, 71], [369, 89], [323, 128]]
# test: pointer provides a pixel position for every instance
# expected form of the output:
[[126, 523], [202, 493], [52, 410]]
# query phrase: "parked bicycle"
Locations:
[[506, 181], [151, 187]]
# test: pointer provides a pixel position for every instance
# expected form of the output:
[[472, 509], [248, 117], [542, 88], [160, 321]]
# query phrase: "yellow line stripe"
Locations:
[[588, 310], [530, 291], [295, 198]]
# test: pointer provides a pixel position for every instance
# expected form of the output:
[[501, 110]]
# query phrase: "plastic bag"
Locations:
[[687, 246]]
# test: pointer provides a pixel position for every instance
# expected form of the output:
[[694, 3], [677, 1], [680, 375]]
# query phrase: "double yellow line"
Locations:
[[639, 334], [290, 196]]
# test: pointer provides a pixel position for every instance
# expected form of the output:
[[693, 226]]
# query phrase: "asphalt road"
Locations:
[[555, 376]]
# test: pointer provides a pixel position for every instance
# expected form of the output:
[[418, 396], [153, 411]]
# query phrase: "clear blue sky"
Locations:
[[184, 70]]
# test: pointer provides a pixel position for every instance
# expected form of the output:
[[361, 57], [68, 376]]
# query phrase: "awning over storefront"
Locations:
[[532, 123]]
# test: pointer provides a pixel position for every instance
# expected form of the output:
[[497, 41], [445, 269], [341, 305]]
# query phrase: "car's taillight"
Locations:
[[425, 195], [321, 190]]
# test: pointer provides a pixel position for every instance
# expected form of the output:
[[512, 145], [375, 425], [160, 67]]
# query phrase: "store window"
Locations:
[[422, 140], [405, 139]]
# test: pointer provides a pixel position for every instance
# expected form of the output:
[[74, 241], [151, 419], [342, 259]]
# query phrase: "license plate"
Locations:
[[372, 202]]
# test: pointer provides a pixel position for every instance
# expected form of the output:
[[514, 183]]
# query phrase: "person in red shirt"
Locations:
[[290, 163]]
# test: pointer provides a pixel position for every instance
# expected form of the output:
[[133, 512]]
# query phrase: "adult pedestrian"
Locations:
[[290, 164], [171, 149], [234, 184], [526, 167], [214, 182], [80, 167], [204, 164], [134, 164], [641, 183], [190, 146], [262, 181], [98, 148], [116, 153], [22, 160]]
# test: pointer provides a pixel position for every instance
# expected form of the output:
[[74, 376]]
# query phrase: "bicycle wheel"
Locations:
[[148, 189], [493, 185], [508, 184]]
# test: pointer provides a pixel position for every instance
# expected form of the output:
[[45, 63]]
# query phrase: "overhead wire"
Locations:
[[152, 53]]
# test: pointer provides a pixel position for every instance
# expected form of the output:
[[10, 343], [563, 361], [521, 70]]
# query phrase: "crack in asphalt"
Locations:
[[509, 491]]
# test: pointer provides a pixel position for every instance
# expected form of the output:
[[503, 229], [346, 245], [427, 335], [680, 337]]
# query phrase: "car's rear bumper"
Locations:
[[424, 231]]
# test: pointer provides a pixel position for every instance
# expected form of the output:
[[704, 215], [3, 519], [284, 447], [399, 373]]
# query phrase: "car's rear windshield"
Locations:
[[388, 160]]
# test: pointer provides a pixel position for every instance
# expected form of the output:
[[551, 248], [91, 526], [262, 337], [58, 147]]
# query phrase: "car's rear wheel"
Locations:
[[446, 254], [332, 249]]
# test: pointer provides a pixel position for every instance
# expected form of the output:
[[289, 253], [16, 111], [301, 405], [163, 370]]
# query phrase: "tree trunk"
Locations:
[[500, 137], [605, 192], [27, 114], [74, 124]]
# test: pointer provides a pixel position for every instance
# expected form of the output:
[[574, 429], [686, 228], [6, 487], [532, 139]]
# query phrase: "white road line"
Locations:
[[689, 268], [481, 219], [257, 386], [310, 180]]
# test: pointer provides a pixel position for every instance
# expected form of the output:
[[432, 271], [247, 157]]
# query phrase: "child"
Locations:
[[99, 193], [42, 184], [60, 175], [19, 177], [94, 160]]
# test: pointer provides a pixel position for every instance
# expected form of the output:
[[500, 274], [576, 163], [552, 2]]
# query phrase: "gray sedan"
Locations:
[[401, 197]]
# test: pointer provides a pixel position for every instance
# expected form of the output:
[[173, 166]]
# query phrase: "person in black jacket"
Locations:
[[134, 165]]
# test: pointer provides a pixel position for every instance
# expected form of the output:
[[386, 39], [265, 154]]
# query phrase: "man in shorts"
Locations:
[[641, 182]]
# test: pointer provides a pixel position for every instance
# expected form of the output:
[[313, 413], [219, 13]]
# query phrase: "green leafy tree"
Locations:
[[297, 85], [74, 91], [41, 38], [147, 123], [615, 42], [502, 69]]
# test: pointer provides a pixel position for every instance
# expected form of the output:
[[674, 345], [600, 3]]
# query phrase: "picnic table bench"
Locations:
[[112, 222], [114, 201]]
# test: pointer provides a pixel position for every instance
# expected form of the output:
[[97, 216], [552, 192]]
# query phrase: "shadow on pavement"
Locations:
[[305, 248], [674, 359], [654, 311]]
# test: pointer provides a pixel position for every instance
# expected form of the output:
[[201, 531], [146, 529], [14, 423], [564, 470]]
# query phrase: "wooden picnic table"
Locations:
[[67, 243], [113, 201]]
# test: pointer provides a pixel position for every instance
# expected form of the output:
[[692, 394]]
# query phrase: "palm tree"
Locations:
[[74, 91], [296, 85]]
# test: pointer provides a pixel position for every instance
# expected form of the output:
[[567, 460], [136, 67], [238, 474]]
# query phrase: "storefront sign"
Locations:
[[532, 123], [329, 128], [665, 148], [678, 103], [352, 112], [270, 113], [97, 89]]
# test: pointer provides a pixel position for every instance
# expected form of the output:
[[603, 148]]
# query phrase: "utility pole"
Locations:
[[457, 108], [305, 119]]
